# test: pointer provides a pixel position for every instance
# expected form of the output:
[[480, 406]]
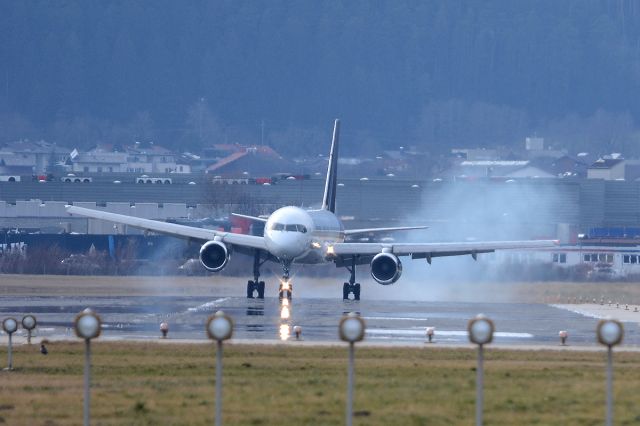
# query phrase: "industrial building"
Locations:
[[455, 209], [568, 206]]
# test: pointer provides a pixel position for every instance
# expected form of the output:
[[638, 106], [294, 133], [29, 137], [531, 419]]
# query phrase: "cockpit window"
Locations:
[[277, 227], [290, 227]]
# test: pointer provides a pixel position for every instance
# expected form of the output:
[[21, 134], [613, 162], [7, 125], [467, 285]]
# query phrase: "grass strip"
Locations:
[[151, 384]]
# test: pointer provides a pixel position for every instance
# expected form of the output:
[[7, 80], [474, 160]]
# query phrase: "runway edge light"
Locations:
[[480, 331], [164, 329], [10, 325], [610, 333], [351, 330], [88, 325], [563, 334], [219, 328], [29, 323], [431, 331]]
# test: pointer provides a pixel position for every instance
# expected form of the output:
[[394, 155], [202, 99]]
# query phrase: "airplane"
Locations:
[[295, 235]]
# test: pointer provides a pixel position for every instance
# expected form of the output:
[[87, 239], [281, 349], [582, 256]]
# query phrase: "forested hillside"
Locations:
[[430, 73]]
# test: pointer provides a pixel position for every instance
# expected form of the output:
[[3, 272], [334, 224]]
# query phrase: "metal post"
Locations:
[[29, 336], [609, 421], [219, 384], [479, 386], [10, 353], [87, 381], [350, 385]]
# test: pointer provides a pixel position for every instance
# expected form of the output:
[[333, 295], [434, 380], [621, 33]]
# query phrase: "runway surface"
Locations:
[[138, 317]]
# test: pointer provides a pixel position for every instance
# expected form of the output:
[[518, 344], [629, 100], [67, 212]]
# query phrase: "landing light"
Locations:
[[316, 245]]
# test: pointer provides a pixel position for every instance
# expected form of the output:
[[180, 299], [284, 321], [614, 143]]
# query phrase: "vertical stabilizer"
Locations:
[[329, 199]]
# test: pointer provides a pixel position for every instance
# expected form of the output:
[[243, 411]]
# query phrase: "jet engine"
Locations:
[[214, 255], [386, 268]]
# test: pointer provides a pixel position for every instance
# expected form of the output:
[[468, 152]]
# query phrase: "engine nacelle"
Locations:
[[214, 255], [386, 268]]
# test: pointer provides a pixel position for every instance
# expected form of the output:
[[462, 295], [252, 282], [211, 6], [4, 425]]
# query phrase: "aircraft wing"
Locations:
[[429, 250], [377, 230], [181, 231]]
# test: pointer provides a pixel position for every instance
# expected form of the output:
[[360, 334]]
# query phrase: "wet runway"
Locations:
[[387, 321]]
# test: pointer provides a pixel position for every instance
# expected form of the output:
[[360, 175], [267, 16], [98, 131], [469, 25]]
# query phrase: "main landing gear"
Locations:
[[286, 287], [256, 285], [352, 287]]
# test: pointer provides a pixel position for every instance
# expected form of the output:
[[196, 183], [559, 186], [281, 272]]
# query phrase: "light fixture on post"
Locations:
[[563, 334], [10, 325], [219, 328], [87, 326], [481, 331], [610, 333], [29, 323], [431, 331], [352, 328], [164, 329]]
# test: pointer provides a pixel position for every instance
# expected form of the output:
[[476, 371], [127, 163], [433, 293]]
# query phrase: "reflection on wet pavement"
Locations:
[[269, 319]]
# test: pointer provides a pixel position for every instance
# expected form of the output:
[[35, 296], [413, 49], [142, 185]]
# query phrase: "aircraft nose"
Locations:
[[289, 245]]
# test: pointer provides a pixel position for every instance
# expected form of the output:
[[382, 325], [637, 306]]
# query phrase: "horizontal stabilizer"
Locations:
[[254, 218]]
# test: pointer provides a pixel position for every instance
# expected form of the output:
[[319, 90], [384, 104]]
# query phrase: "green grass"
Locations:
[[151, 384]]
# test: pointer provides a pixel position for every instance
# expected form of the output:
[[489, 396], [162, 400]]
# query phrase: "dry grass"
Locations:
[[151, 383]]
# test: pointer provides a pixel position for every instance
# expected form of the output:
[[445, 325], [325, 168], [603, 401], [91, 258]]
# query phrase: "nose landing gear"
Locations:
[[286, 287]]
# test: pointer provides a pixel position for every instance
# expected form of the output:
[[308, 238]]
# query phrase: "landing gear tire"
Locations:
[[251, 286], [285, 293], [352, 286], [348, 289], [256, 285]]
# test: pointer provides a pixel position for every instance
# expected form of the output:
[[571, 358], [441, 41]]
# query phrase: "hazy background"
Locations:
[[434, 74]]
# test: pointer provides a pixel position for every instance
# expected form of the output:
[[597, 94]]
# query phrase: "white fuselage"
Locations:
[[302, 236]]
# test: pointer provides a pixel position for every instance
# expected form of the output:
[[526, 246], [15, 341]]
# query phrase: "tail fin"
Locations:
[[329, 199]]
